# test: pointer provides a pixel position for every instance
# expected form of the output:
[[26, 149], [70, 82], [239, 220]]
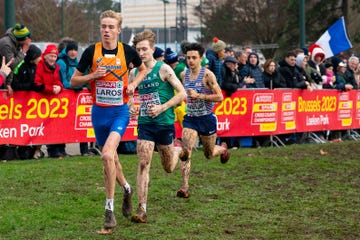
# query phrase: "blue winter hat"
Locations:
[[158, 52], [170, 56]]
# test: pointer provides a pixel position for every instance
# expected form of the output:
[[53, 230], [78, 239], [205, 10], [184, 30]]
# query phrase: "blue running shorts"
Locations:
[[204, 125], [109, 119]]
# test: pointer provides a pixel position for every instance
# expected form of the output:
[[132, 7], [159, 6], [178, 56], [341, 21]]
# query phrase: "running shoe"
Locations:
[[140, 216], [224, 157], [110, 221], [183, 194], [127, 203]]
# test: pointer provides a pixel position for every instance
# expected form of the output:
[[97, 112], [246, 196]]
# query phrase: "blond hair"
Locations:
[[112, 14], [147, 34]]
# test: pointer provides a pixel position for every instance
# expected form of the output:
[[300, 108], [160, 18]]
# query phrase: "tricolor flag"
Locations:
[[335, 39]]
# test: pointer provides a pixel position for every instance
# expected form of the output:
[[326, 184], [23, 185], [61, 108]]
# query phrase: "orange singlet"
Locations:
[[110, 90]]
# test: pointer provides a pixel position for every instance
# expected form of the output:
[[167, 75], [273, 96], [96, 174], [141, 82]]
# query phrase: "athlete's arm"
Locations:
[[211, 83], [79, 79], [136, 81], [167, 74], [130, 103]]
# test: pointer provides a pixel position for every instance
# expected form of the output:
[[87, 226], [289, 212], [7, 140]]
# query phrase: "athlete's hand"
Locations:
[[132, 111], [192, 93], [100, 72], [130, 90], [154, 110]]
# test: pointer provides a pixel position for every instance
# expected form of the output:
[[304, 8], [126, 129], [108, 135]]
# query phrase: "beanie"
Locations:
[[33, 53], [299, 59], [21, 32], [218, 45], [51, 48], [71, 46], [306, 51], [158, 52], [170, 56], [316, 51]]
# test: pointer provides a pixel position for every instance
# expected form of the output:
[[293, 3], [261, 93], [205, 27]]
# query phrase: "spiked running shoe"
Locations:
[[140, 216], [110, 221], [224, 157], [127, 203], [182, 194]]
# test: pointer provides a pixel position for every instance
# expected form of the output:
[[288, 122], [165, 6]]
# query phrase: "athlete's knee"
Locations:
[[106, 156]]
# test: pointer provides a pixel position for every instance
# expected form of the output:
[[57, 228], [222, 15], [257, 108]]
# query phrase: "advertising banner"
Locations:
[[33, 118]]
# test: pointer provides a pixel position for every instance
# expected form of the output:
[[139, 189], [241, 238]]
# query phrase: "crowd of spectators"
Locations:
[[31, 70]]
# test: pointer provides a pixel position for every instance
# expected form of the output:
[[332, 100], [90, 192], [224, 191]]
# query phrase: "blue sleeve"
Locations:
[[63, 77]]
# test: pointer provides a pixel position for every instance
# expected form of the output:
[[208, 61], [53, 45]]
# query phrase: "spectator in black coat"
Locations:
[[24, 73], [292, 76], [230, 76]]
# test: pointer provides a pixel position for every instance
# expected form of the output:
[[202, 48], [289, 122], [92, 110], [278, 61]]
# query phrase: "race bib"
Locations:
[[109, 92]]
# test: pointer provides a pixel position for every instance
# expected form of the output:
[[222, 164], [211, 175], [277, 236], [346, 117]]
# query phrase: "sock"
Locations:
[[143, 205], [109, 204], [126, 187]]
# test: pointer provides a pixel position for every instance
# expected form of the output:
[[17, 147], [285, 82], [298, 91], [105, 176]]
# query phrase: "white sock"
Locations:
[[143, 205], [109, 205], [126, 187]]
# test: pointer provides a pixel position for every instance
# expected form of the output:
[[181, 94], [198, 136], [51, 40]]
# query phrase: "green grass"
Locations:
[[269, 193]]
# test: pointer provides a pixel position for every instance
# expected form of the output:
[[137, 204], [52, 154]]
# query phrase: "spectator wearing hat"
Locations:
[[68, 62], [24, 76], [47, 76], [24, 73], [215, 55], [47, 80], [14, 45], [317, 58], [159, 54], [230, 76], [310, 74], [172, 59], [251, 74], [342, 83]]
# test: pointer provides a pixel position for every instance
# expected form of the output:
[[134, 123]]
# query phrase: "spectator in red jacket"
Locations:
[[48, 81], [47, 76]]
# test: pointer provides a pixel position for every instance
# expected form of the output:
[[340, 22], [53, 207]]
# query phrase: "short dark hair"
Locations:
[[291, 54], [195, 47]]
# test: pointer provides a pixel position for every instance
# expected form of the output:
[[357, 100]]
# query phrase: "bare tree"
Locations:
[[243, 22]]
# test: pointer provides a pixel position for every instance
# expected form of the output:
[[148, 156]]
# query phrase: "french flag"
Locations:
[[335, 39]]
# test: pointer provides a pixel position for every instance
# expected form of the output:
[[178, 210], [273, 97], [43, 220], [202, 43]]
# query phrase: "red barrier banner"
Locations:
[[34, 118], [271, 112]]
